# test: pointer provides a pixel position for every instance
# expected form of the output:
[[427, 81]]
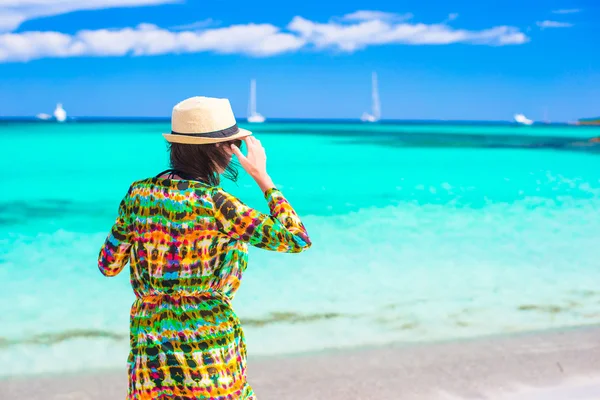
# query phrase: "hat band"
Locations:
[[215, 134]]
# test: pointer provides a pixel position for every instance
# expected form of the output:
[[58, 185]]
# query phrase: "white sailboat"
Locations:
[[43, 116], [522, 119], [59, 113], [376, 106], [253, 116], [546, 120]]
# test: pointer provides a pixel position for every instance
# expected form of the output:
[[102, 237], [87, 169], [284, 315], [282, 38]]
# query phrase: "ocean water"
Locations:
[[420, 233]]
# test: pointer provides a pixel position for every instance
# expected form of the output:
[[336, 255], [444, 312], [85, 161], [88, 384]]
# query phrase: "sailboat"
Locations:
[[43, 116], [253, 116], [376, 106], [523, 120], [59, 113], [546, 119]]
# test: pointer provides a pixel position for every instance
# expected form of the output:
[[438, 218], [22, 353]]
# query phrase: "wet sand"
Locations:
[[558, 365]]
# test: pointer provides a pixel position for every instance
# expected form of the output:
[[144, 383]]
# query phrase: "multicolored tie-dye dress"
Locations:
[[187, 246]]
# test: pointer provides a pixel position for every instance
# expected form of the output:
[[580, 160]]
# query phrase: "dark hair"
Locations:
[[203, 162]]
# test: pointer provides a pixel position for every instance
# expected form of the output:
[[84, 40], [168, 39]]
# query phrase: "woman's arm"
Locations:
[[114, 254], [280, 231]]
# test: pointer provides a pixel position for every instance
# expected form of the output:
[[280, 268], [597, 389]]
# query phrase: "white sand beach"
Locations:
[[557, 365]]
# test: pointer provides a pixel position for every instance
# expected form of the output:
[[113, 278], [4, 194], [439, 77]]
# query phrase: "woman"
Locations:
[[186, 241]]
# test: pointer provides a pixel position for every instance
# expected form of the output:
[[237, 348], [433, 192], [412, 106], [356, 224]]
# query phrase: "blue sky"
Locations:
[[435, 59]]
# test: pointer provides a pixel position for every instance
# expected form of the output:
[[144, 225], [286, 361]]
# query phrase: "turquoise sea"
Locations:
[[421, 232]]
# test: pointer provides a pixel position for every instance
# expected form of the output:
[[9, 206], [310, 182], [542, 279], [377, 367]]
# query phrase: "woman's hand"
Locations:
[[255, 162]]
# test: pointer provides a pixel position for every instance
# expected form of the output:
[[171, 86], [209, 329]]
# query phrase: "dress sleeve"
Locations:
[[281, 231], [114, 254]]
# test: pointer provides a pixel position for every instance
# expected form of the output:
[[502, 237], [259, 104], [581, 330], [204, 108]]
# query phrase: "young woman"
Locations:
[[186, 240]]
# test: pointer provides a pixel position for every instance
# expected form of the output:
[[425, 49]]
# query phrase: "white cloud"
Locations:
[[14, 12], [367, 15], [553, 24], [260, 40], [146, 39], [567, 11], [10, 20], [352, 37]]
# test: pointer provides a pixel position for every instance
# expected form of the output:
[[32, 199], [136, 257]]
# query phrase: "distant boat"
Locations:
[[375, 104], [43, 117], [59, 113], [546, 120], [523, 120], [253, 116]]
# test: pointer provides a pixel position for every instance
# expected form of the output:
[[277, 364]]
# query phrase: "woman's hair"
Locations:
[[204, 162]]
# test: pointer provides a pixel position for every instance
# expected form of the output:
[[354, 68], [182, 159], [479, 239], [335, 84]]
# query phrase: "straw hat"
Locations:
[[204, 120]]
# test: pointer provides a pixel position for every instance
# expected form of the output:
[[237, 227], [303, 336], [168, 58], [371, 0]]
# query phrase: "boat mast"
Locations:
[[375, 95], [252, 107]]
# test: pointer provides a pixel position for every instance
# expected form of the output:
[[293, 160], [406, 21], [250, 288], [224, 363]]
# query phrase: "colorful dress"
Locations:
[[187, 245]]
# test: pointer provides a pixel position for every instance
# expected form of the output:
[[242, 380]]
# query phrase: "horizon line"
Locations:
[[284, 119], [357, 119]]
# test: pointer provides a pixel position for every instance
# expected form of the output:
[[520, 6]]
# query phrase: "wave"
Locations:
[[289, 317], [57, 337]]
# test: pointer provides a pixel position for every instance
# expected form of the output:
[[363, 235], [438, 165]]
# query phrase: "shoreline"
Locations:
[[519, 366], [333, 351]]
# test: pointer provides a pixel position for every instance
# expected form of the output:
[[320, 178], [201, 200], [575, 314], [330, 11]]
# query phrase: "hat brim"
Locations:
[[184, 139]]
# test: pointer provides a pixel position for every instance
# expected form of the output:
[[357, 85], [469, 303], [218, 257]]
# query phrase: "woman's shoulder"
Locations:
[[172, 184], [179, 187]]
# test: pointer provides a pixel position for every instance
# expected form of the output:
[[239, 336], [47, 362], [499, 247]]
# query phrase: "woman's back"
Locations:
[[176, 246], [184, 233]]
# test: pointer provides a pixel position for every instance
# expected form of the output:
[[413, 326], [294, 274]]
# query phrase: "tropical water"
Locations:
[[420, 233]]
